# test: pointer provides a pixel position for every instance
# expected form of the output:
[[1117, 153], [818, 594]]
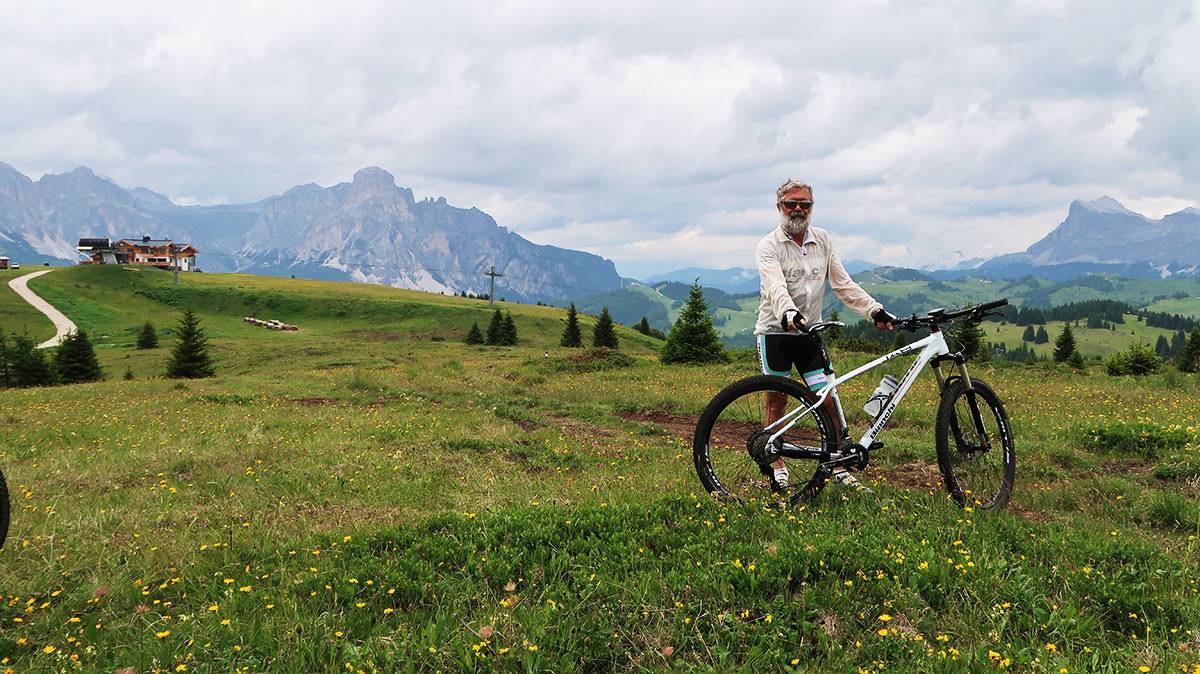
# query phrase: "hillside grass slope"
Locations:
[[369, 494]]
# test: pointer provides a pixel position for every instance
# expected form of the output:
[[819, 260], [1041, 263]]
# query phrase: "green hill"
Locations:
[[111, 304], [370, 494], [905, 292]]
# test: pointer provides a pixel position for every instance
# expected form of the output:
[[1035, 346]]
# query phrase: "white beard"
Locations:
[[795, 226]]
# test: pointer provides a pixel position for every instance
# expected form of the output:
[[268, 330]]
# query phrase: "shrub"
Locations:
[[1136, 360], [1181, 467], [590, 361], [1172, 511], [1140, 438]]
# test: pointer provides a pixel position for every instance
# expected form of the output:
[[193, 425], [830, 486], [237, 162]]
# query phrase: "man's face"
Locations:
[[795, 209]]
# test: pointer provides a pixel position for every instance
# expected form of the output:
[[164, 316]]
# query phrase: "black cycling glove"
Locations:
[[791, 316], [881, 315]]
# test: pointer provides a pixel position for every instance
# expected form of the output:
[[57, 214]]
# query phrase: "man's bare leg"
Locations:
[[776, 406]]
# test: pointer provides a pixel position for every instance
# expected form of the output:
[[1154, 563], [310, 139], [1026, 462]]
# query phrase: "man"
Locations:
[[794, 262]]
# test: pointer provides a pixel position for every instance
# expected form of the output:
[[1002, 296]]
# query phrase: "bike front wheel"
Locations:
[[975, 445], [730, 441], [4, 507]]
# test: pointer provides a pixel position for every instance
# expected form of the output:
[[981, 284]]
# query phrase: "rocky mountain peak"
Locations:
[[1105, 204], [373, 176]]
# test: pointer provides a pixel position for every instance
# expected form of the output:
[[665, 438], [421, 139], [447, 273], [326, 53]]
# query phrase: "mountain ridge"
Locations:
[[368, 229]]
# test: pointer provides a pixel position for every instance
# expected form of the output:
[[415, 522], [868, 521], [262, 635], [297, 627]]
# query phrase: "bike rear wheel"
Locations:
[[4, 508], [975, 445], [730, 433]]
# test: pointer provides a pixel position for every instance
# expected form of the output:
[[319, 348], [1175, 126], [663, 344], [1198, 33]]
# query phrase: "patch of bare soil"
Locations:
[[679, 425]]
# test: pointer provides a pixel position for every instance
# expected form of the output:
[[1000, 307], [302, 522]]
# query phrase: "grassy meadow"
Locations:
[[369, 494]]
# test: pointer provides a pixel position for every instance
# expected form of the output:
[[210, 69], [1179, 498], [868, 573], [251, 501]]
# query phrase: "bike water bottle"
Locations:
[[881, 396]]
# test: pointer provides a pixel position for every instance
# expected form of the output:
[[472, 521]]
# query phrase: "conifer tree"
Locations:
[[832, 335], [76, 360], [1028, 335], [1189, 359], [643, 326], [971, 336], [148, 337], [28, 365], [1042, 336], [571, 336], [604, 334], [508, 330], [5, 366], [1163, 348], [474, 336], [1178, 340], [1064, 346], [495, 329], [693, 339], [1076, 360], [189, 358]]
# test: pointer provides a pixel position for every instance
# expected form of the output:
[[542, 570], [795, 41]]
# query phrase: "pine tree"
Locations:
[[474, 336], [971, 336], [148, 337], [571, 336], [495, 329], [508, 330], [5, 366], [1178, 340], [189, 358], [643, 326], [1163, 348], [1064, 346], [1042, 336], [1028, 335], [28, 365], [692, 339], [1189, 358], [76, 360], [832, 335], [1076, 360], [604, 334]]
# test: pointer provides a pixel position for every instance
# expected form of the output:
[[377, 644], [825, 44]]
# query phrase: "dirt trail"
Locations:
[[63, 326]]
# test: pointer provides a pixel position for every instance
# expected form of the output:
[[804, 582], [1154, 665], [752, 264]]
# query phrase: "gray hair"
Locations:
[[789, 185]]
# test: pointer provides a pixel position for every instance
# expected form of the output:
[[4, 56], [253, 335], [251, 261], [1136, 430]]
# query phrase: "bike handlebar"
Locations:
[[937, 316], [932, 317]]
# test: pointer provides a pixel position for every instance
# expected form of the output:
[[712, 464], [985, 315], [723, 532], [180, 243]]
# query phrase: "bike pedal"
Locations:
[[878, 444]]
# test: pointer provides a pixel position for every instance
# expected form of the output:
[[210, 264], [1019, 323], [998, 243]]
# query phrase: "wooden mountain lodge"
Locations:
[[159, 253]]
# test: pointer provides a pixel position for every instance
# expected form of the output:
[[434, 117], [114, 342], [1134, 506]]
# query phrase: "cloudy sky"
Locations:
[[651, 133]]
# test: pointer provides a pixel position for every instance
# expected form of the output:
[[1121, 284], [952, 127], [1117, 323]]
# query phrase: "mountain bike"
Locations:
[[734, 448], [3, 510]]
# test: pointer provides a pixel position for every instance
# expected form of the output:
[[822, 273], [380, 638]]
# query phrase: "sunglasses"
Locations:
[[792, 205]]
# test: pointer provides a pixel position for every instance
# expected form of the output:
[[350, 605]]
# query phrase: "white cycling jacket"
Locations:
[[793, 277]]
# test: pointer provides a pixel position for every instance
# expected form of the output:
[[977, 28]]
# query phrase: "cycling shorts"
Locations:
[[778, 353]]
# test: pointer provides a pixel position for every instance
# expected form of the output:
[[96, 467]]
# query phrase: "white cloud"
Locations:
[[652, 133]]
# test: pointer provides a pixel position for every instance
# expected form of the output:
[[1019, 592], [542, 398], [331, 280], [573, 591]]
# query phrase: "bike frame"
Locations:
[[931, 348]]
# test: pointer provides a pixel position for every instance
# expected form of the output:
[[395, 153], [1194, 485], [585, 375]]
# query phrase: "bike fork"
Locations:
[[972, 400]]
